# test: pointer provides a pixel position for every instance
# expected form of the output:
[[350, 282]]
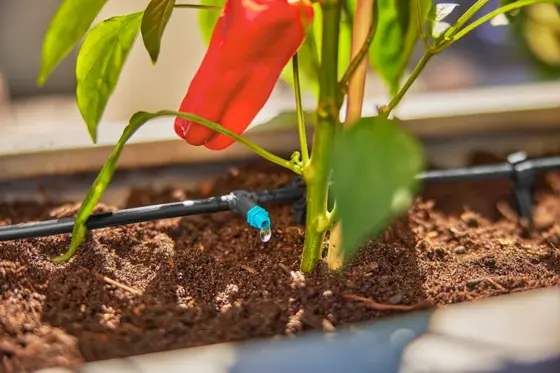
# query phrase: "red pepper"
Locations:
[[251, 44]]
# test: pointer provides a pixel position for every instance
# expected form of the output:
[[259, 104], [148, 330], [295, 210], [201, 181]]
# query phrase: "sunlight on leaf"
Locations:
[[99, 65], [387, 160], [155, 18], [70, 23], [499, 20], [436, 26], [396, 34], [443, 10], [439, 29]]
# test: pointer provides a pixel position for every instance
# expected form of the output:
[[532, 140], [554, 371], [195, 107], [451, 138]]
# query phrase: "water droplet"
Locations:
[[265, 234]]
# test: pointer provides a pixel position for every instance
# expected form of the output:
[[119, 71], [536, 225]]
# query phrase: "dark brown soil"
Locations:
[[209, 279]]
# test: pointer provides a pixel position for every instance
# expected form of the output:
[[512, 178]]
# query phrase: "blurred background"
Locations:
[[525, 53], [488, 57]]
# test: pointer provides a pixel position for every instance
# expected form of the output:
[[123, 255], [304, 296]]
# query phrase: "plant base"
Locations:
[[209, 279]]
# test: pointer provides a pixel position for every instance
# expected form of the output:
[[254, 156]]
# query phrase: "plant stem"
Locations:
[[357, 60], [218, 128], [362, 36], [198, 6], [453, 34], [420, 24], [347, 12], [417, 70], [318, 171], [449, 37], [504, 9], [465, 18], [299, 109]]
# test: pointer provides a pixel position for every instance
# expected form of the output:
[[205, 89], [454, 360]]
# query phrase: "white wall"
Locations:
[[142, 86]]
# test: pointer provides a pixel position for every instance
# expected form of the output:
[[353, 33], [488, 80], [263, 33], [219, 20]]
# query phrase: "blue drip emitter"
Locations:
[[244, 203]]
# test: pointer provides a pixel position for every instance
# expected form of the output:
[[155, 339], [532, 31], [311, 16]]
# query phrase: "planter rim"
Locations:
[[437, 118]]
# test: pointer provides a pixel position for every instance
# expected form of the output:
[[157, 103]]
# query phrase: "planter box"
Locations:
[[510, 333], [513, 333]]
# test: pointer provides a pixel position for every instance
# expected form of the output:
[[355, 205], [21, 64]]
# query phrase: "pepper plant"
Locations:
[[366, 165]]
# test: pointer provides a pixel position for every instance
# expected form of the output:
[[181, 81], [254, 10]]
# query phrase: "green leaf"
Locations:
[[69, 24], [510, 16], [375, 164], [437, 26], [96, 191], [99, 65], [155, 18], [528, 30], [443, 10], [396, 34], [500, 20]]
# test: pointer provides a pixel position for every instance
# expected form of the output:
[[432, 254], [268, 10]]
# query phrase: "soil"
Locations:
[[201, 280]]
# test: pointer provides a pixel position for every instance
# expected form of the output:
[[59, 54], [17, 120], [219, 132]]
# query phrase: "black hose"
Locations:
[[485, 172], [143, 214], [292, 194]]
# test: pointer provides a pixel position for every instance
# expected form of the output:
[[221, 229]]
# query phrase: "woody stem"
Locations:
[[361, 39], [317, 172], [357, 59]]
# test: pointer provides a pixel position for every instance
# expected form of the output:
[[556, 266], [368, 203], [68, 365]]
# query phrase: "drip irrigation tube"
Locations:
[[518, 168], [516, 163], [148, 213]]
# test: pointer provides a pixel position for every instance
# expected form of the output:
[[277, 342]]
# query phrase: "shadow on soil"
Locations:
[[208, 279]]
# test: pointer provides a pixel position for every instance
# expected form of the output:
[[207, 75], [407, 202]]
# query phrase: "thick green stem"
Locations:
[[317, 178], [317, 172], [362, 36]]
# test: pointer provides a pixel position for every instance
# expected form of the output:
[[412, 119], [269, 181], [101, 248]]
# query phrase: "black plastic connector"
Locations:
[[523, 177], [243, 202], [300, 204]]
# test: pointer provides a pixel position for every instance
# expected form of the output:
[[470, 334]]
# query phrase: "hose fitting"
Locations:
[[244, 203]]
